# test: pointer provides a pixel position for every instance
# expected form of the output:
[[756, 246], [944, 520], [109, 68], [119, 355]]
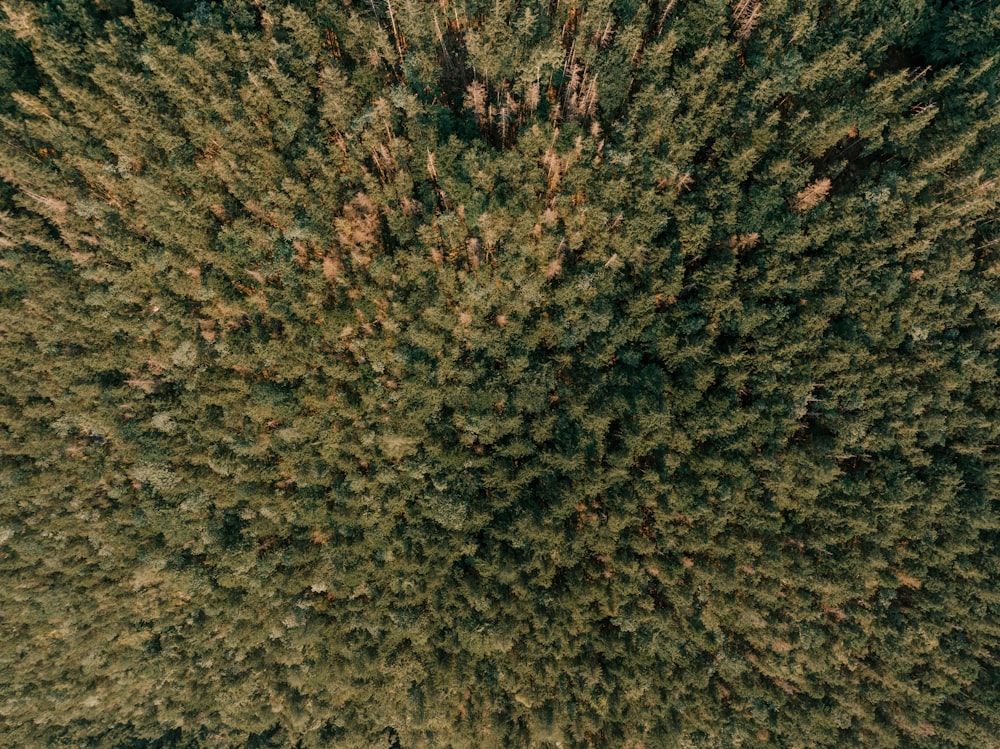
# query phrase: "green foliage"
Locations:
[[436, 374]]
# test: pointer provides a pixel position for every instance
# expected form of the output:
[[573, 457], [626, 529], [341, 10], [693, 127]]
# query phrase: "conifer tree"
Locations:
[[436, 374]]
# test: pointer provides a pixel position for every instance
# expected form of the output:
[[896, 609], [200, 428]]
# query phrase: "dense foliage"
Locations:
[[485, 374]]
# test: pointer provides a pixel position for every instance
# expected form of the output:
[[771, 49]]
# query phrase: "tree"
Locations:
[[450, 375]]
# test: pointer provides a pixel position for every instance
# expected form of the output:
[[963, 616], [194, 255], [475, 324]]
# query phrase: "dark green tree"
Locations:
[[436, 374]]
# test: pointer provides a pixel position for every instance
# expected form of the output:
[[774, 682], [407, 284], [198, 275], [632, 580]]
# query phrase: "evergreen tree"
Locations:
[[436, 374]]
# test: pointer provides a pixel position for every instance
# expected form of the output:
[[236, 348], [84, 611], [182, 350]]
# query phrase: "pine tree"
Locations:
[[415, 374]]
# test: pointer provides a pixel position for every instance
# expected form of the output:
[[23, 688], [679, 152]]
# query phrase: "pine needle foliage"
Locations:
[[499, 374]]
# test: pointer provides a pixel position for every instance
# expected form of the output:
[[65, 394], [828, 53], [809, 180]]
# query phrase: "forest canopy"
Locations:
[[606, 373]]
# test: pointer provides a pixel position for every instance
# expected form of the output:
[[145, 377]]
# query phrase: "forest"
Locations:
[[452, 373]]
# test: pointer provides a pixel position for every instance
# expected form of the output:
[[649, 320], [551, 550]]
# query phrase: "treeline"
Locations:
[[474, 374]]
